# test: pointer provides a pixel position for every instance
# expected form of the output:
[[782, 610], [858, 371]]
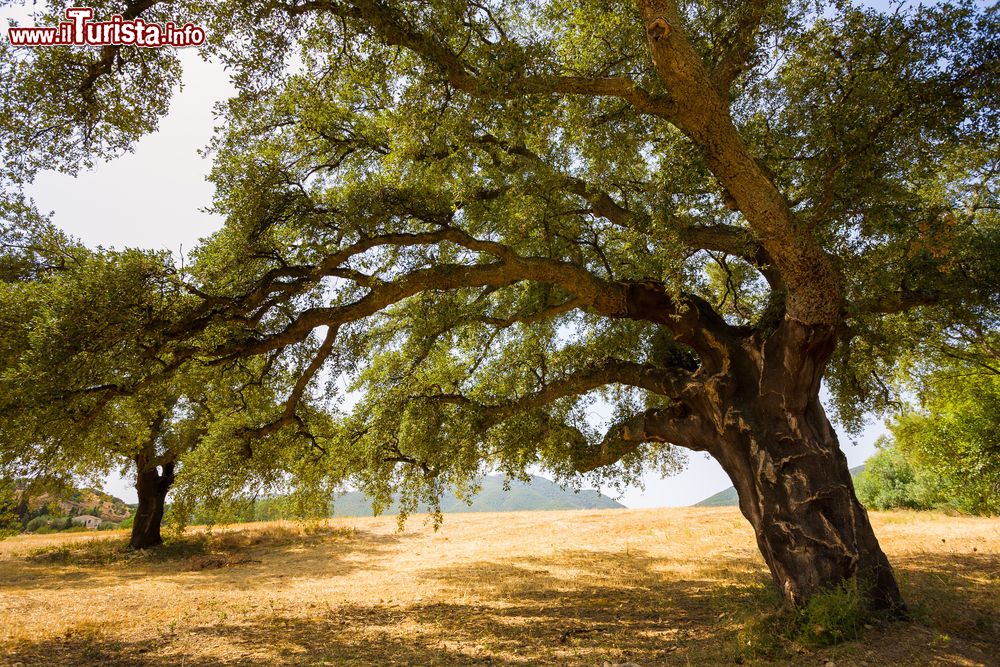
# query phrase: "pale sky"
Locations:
[[152, 198]]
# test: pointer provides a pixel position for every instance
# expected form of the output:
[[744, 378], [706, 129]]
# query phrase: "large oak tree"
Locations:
[[489, 215]]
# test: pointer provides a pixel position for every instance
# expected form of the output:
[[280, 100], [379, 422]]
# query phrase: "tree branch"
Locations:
[[109, 54], [393, 28], [899, 301], [740, 45], [815, 288], [675, 424]]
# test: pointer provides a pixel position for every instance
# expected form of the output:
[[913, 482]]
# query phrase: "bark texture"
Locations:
[[754, 406], [795, 489], [152, 486]]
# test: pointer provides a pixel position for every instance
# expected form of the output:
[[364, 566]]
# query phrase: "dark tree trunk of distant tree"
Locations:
[[152, 484]]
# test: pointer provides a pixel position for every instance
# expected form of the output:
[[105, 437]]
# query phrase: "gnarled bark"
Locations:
[[754, 406], [152, 486], [779, 449], [795, 490]]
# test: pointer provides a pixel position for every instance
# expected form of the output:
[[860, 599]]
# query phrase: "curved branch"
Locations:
[[662, 381], [675, 424], [735, 241], [395, 30], [899, 301], [536, 316], [740, 45], [692, 319]]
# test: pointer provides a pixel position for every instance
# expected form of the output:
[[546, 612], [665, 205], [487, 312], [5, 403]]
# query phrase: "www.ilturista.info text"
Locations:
[[80, 30]]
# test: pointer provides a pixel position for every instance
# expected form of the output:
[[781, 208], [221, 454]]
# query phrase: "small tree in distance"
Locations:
[[78, 323], [947, 452]]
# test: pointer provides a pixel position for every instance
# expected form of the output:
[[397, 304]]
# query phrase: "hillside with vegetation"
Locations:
[[537, 494], [71, 501], [497, 494], [55, 507]]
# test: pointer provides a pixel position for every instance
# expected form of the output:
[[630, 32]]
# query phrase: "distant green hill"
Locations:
[[538, 494], [728, 498]]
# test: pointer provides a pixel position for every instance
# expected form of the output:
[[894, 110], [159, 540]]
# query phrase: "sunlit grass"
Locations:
[[676, 586]]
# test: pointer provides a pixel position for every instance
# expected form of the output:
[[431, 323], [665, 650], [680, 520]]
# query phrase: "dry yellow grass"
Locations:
[[651, 587]]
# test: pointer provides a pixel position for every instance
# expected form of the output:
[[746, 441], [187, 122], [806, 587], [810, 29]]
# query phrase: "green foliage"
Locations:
[[829, 617], [833, 616], [947, 451], [49, 524], [956, 437], [890, 481], [10, 519], [75, 340], [434, 189], [83, 394], [60, 114], [37, 523], [768, 630]]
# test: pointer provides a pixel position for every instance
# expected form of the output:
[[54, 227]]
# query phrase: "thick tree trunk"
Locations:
[[753, 404], [795, 489], [152, 487], [794, 486]]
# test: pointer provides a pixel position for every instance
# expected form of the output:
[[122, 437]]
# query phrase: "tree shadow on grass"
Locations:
[[585, 607], [957, 594], [573, 607], [242, 559]]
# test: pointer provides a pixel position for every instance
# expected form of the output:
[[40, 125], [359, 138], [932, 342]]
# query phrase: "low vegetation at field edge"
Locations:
[[652, 587]]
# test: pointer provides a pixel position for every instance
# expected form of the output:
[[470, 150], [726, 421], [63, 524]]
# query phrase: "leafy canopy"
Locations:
[[485, 218]]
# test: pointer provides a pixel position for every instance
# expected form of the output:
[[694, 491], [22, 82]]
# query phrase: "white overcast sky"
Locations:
[[151, 198]]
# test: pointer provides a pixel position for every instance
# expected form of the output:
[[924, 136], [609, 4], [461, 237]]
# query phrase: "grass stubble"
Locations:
[[679, 586]]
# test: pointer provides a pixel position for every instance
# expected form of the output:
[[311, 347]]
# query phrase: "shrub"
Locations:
[[37, 523], [765, 634], [833, 616], [892, 481]]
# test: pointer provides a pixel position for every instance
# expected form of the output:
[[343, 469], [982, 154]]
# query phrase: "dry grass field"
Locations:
[[648, 587]]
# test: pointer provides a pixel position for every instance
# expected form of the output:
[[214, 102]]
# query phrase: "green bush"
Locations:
[[765, 635], [891, 481], [37, 523], [10, 518], [48, 524], [107, 525], [833, 616], [774, 630]]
